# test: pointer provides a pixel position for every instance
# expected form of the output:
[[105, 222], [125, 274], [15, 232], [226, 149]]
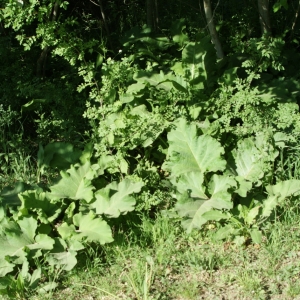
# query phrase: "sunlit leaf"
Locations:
[[92, 229], [189, 152], [74, 184], [114, 200]]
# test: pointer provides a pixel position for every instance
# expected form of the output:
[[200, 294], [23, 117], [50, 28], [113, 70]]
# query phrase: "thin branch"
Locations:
[[295, 20], [95, 3]]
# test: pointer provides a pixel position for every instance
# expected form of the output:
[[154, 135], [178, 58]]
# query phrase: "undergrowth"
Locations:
[[173, 175]]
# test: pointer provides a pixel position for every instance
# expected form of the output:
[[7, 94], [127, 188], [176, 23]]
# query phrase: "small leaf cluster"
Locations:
[[260, 54], [242, 108]]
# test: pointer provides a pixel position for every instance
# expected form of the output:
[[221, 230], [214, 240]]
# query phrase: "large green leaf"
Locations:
[[103, 163], [40, 203], [58, 155], [189, 153], [5, 267], [6, 282], [42, 241], [115, 199], [191, 182], [9, 195], [180, 84], [159, 80], [278, 193], [66, 260], [177, 29], [199, 60], [192, 56], [218, 189], [284, 189], [74, 184], [92, 229], [248, 161], [66, 230], [87, 153], [135, 88], [178, 69], [17, 238], [194, 208], [147, 38], [256, 235]]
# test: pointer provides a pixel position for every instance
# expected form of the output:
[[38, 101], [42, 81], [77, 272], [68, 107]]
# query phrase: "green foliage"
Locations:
[[187, 153], [114, 199], [14, 156], [261, 53], [164, 125], [198, 60], [247, 221], [244, 109], [253, 159], [75, 184], [279, 4], [134, 105], [189, 159], [49, 226], [194, 162], [278, 193]]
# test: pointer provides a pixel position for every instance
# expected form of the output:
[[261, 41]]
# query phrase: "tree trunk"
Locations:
[[41, 62], [156, 15], [295, 20], [152, 14], [264, 17], [105, 23], [212, 28], [103, 17]]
